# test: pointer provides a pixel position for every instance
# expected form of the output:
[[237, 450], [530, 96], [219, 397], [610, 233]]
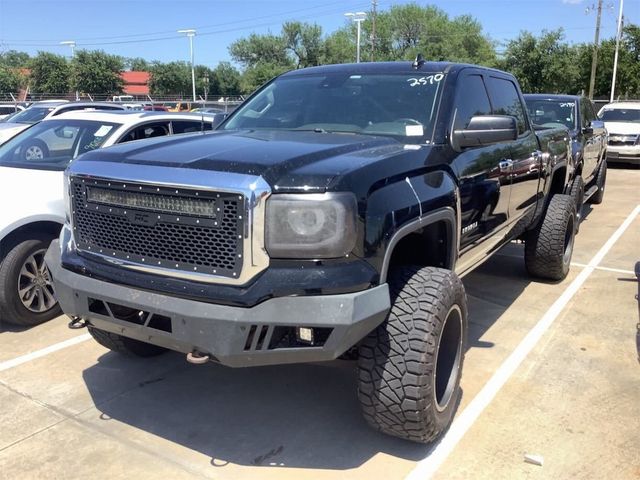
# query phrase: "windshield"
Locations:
[[32, 114], [52, 144], [397, 105], [552, 113], [621, 115]]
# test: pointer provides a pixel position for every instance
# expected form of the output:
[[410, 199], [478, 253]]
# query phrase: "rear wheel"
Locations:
[[409, 367], [549, 247], [125, 345], [577, 193], [596, 198], [27, 297]]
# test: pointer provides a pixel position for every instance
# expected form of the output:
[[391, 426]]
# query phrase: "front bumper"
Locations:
[[232, 336], [623, 153]]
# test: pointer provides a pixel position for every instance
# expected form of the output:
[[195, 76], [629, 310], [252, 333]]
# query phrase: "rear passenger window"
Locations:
[[149, 130], [506, 101], [184, 126], [471, 100]]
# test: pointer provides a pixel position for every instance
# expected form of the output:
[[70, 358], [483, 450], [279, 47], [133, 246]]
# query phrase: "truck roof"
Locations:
[[552, 96], [386, 67]]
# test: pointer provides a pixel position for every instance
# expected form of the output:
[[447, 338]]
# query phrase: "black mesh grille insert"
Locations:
[[194, 243]]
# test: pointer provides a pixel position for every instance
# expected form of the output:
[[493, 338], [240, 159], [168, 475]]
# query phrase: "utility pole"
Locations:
[[594, 60], [72, 44], [358, 18], [190, 32], [615, 58], [374, 5]]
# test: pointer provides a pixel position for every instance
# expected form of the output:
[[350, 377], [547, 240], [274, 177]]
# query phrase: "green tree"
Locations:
[[225, 80], [170, 78], [10, 80], [260, 49], [628, 74], [137, 64], [339, 47], [304, 42], [96, 72], [543, 64], [255, 76], [14, 59], [49, 73]]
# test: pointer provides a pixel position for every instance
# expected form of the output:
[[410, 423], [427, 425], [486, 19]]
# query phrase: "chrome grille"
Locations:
[[195, 231]]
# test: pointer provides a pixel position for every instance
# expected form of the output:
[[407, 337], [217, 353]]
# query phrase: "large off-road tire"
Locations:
[[125, 345], [596, 198], [26, 290], [409, 367], [548, 248], [577, 193]]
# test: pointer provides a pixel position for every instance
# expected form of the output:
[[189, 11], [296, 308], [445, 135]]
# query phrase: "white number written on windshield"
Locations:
[[428, 80]]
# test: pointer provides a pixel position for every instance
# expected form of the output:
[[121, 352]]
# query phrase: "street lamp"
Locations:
[[190, 32], [71, 44], [357, 17]]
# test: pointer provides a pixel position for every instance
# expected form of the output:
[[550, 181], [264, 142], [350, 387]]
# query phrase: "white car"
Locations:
[[7, 109], [47, 109], [31, 195], [622, 121]]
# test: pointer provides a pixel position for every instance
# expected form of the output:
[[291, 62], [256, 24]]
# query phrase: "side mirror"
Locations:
[[486, 130]]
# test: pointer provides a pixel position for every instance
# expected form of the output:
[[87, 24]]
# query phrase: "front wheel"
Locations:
[[549, 247], [27, 297], [409, 367], [577, 193]]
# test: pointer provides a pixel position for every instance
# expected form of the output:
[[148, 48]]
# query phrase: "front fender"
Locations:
[[407, 205]]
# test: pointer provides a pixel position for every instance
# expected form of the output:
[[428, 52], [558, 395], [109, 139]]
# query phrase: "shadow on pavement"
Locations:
[[304, 416]]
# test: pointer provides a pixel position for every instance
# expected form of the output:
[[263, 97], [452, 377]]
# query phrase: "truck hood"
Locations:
[[285, 159], [624, 128]]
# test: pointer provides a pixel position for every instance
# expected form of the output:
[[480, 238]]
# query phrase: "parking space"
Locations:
[[83, 411]]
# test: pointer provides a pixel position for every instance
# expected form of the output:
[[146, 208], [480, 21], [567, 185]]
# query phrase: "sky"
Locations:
[[147, 28]]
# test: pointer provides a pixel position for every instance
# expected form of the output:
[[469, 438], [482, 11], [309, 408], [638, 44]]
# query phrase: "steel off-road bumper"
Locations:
[[234, 336]]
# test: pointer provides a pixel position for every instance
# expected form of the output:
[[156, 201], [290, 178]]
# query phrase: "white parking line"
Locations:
[[42, 352], [605, 269], [429, 465]]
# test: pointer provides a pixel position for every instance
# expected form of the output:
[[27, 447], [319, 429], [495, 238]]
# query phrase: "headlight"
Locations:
[[310, 225]]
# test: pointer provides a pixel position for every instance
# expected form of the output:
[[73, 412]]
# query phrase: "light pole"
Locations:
[[357, 17], [615, 58], [190, 32], [71, 44]]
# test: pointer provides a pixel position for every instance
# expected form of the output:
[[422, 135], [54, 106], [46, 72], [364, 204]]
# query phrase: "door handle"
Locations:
[[505, 165]]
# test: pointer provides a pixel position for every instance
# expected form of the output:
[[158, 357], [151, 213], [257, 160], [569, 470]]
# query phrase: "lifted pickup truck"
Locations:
[[588, 142], [336, 208]]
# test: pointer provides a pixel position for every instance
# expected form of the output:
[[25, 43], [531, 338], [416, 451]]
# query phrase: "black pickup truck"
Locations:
[[334, 211], [588, 141]]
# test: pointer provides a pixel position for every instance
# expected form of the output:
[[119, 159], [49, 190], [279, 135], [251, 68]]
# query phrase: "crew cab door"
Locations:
[[484, 185], [524, 159], [592, 133]]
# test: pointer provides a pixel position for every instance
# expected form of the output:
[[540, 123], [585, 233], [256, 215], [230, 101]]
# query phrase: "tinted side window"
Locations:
[[506, 101], [471, 100], [189, 126], [149, 130], [587, 112]]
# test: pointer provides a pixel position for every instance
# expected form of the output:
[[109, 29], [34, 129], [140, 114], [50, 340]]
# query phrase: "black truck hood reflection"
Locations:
[[287, 160]]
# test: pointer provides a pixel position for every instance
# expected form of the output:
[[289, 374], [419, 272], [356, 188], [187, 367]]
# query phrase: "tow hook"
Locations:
[[197, 358], [77, 323]]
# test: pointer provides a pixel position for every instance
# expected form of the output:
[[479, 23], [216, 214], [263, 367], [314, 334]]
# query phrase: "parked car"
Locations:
[[155, 107], [335, 209], [47, 109], [31, 166], [7, 109], [622, 121], [588, 141]]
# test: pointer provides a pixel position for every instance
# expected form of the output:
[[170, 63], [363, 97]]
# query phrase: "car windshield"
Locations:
[[621, 115], [550, 113], [32, 114], [52, 144], [399, 105]]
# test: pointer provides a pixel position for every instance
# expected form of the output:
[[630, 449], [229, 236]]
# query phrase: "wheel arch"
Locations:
[[428, 229], [40, 228]]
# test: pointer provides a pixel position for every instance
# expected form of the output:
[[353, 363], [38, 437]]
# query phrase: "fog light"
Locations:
[[304, 334]]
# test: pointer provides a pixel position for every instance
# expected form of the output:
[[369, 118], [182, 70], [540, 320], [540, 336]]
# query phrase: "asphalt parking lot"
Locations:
[[567, 389]]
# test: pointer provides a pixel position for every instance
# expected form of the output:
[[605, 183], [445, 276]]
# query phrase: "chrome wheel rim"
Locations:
[[448, 356], [34, 152], [35, 288]]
